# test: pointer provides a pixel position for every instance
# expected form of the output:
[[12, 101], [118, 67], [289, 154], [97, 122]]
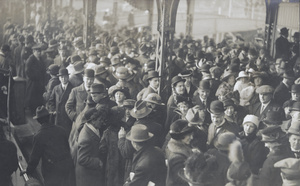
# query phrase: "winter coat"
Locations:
[[49, 88], [177, 154], [281, 94], [148, 164], [255, 110], [57, 102], [35, 71], [75, 103], [88, 169], [51, 145], [114, 166]]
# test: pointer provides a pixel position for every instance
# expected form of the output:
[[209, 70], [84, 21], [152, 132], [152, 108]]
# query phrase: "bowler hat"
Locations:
[[63, 72], [75, 58], [193, 117], [41, 112], [290, 168], [272, 134], [273, 118], [295, 106], [97, 88], [176, 79], [265, 89], [289, 75], [154, 98], [186, 73], [284, 30], [224, 140], [216, 107], [140, 110], [251, 119], [259, 74], [139, 133], [100, 70], [294, 128], [179, 128], [152, 74], [90, 73], [78, 67], [129, 103], [122, 73], [53, 69], [204, 85]]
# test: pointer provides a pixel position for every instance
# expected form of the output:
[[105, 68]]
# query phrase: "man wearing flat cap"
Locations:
[[266, 103], [219, 124], [35, 71], [148, 163], [290, 171], [78, 95]]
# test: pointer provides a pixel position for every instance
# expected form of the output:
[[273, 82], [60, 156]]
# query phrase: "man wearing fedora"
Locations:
[[219, 124], [35, 71], [101, 76], [294, 138], [52, 71], [276, 141], [100, 96], [153, 80], [61, 59], [78, 95], [76, 78], [148, 163], [158, 113], [266, 103], [190, 88], [50, 144], [58, 100], [282, 91], [282, 44]]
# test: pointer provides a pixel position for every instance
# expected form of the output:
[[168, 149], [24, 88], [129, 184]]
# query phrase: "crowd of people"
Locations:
[[233, 117]]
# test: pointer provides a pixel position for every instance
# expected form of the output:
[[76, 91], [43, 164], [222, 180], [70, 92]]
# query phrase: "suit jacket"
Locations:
[[88, 169], [75, 103], [57, 102], [226, 127], [281, 94], [255, 110], [197, 101], [148, 164]]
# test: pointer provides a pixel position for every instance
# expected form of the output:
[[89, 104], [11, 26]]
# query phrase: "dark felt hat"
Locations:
[[295, 106], [53, 43], [140, 110], [176, 79], [78, 67], [284, 30], [186, 73], [216, 107], [289, 75], [63, 72], [205, 68], [123, 73], [129, 103], [5, 48], [152, 74], [75, 58], [37, 47], [89, 73], [97, 88], [53, 69], [125, 91], [139, 133], [63, 48], [115, 60], [272, 134], [41, 112], [49, 50], [273, 118], [180, 128], [88, 114], [100, 70], [204, 85]]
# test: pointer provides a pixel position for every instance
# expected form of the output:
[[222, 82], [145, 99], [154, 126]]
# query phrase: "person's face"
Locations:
[[249, 128], [183, 107], [258, 81], [180, 88], [99, 122], [64, 79], [229, 111], [98, 96], [287, 112], [154, 82], [88, 81], [294, 142], [231, 80], [37, 53], [265, 98], [217, 119], [127, 112], [187, 139], [120, 96], [296, 96], [203, 94]]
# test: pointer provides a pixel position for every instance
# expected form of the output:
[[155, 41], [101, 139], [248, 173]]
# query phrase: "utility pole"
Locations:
[[89, 20], [190, 17]]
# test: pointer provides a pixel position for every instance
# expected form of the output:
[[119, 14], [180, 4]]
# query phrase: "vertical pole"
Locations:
[[71, 4], [26, 12], [190, 17], [115, 13], [150, 15], [89, 15], [230, 8]]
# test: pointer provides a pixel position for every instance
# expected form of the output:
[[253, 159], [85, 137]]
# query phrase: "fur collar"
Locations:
[[175, 146]]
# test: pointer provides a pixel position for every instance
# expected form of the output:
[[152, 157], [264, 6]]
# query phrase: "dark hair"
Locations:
[[44, 119]]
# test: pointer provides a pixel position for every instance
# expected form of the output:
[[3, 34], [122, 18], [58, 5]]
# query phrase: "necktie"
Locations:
[[262, 108]]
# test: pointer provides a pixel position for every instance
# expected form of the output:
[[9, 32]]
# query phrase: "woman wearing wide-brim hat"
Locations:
[[119, 94], [178, 92], [178, 150]]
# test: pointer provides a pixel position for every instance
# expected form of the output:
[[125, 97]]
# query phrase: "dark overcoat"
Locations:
[[35, 72], [88, 168], [281, 94], [255, 110], [57, 102]]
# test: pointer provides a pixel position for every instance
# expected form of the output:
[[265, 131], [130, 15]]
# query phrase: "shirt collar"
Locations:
[[96, 131]]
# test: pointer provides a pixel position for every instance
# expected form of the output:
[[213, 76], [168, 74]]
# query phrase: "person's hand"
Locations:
[[101, 164], [122, 133]]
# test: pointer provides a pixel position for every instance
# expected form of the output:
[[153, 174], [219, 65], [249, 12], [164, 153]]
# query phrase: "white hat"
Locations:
[[251, 119]]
